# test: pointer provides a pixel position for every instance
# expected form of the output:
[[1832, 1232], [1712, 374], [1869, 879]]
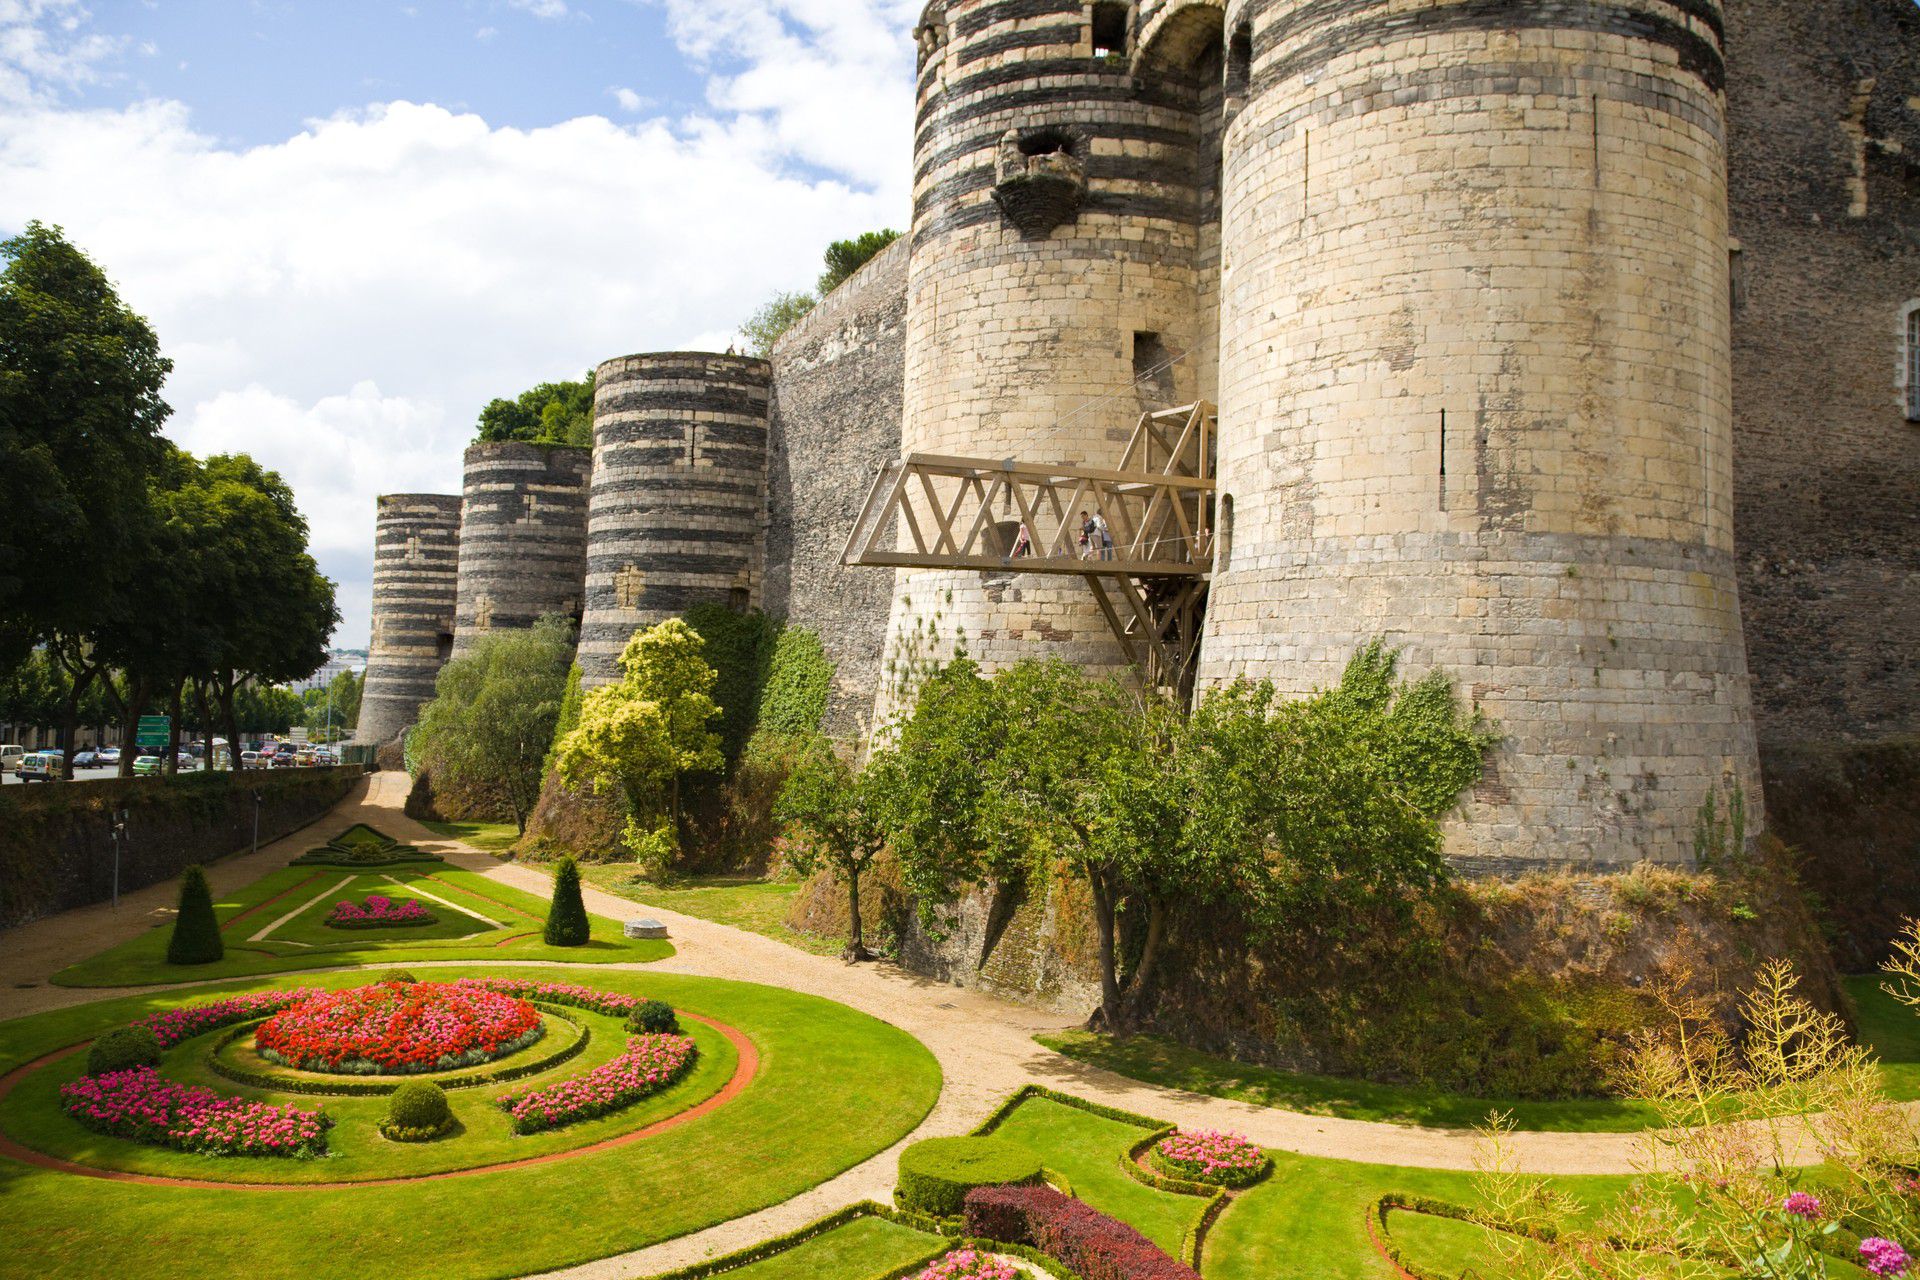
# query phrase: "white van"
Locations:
[[10, 756]]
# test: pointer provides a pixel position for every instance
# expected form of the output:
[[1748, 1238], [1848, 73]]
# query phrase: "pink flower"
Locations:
[[1802, 1205], [1883, 1257]]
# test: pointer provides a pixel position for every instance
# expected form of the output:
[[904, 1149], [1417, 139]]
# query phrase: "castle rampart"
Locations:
[[523, 536], [416, 548]]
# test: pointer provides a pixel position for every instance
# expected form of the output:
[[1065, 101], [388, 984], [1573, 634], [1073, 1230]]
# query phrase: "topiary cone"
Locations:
[[567, 918], [196, 933]]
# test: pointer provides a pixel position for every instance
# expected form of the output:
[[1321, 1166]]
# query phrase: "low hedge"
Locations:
[[417, 1112], [1092, 1244], [122, 1049], [936, 1174], [373, 1089]]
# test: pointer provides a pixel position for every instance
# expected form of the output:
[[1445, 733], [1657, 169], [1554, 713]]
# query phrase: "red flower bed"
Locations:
[[1087, 1241], [398, 1029]]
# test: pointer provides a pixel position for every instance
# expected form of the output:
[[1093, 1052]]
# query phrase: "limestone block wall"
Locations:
[[523, 536], [679, 493], [1021, 337], [1475, 395], [1824, 99], [416, 548], [834, 422]]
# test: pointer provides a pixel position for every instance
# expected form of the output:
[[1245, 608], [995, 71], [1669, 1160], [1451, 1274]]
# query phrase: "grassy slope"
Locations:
[[758, 906], [488, 837], [835, 1086], [1892, 1031], [142, 960]]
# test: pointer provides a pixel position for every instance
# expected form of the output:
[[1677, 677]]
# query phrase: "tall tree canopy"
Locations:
[[551, 413], [844, 257]]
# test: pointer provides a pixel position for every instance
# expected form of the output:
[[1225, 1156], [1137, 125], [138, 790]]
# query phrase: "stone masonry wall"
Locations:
[[834, 422], [416, 548], [1824, 101], [523, 536]]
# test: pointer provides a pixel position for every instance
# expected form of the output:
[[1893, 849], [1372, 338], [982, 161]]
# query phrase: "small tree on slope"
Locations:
[[567, 917], [196, 933], [833, 820]]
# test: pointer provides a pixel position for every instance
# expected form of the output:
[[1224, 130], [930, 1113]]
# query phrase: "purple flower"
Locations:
[[1883, 1257], [1802, 1205]]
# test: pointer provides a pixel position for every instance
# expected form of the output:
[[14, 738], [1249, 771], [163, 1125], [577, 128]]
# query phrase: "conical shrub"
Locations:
[[567, 918], [196, 933]]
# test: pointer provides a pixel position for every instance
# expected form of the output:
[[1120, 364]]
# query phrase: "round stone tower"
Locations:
[[523, 536], [679, 495], [1054, 287], [1474, 395], [416, 548]]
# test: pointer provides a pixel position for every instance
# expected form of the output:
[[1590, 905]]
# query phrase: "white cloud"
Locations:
[[341, 303], [540, 8], [45, 49], [486, 33], [629, 100]]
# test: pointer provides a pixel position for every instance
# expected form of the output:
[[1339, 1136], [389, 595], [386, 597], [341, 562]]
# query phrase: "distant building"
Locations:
[[333, 666]]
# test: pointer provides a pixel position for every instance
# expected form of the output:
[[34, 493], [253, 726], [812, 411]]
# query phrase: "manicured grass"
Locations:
[[864, 1249], [1891, 1030], [310, 926], [488, 837], [834, 1087], [758, 906], [141, 961]]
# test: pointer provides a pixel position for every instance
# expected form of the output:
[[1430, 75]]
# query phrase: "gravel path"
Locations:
[[984, 1045]]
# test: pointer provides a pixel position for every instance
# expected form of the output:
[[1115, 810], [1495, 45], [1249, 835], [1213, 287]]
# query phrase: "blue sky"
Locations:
[[353, 223]]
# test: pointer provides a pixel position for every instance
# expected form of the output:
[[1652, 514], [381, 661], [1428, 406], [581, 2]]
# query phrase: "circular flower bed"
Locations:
[[144, 1106], [398, 1029], [1222, 1159]]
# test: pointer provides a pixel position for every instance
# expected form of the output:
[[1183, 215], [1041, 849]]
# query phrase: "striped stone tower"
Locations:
[[679, 494], [1055, 285], [1474, 394], [523, 536], [416, 552]]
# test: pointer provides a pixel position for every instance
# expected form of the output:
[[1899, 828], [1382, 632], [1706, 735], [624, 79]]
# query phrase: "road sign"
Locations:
[[153, 731], [298, 733]]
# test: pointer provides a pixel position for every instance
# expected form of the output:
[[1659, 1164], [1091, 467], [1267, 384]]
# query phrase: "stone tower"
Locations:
[[523, 536], [416, 551], [1474, 394], [1061, 239], [679, 495]]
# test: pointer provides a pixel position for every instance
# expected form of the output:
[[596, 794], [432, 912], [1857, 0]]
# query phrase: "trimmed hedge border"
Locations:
[[367, 1089], [935, 1173]]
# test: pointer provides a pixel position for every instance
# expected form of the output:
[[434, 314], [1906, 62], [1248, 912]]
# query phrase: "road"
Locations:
[[80, 775]]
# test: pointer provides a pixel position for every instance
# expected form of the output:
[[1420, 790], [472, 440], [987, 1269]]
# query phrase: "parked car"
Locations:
[[251, 759], [146, 766], [38, 766], [85, 759], [107, 756], [10, 756], [282, 760]]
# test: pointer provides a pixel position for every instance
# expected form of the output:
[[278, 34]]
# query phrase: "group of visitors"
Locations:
[[1096, 538]]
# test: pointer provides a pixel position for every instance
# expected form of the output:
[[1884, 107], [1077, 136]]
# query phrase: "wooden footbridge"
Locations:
[[931, 511]]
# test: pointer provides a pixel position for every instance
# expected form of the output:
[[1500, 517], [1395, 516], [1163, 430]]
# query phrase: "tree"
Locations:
[[333, 707], [644, 731], [836, 820], [567, 923], [196, 931], [80, 418], [491, 720], [550, 413], [774, 317], [844, 257]]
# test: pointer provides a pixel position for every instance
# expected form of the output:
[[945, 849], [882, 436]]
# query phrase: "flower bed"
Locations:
[[1220, 1159], [610, 1003], [398, 1029], [144, 1106], [187, 1021], [970, 1264], [379, 912], [1088, 1242], [650, 1064]]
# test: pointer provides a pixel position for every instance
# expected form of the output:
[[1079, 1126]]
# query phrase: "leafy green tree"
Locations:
[[836, 818], [739, 647], [196, 931], [80, 418], [641, 733], [567, 923], [333, 707], [772, 318], [491, 720], [550, 413], [844, 257]]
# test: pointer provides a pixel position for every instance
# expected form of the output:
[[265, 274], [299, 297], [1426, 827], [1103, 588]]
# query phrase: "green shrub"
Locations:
[[416, 1112], [196, 932], [398, 976], [793, 701], [567, 924], [739, 647], [936, 1174], [122, 1049], [653, 1017]]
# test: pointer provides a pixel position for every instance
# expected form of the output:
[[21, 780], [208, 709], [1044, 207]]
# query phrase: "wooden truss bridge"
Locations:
[[931, 511]]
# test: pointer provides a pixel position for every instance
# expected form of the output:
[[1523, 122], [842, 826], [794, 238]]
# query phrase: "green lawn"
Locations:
[[488, 837], [864, 1249], [758, 906], [834, 1087], [1890, 1029], [141, 961]]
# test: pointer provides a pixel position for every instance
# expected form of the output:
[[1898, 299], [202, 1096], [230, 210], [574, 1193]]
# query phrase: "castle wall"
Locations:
[[523, 536], [834, 422], [678, 497], [1514, 217], [416, 548], [1824, 100]]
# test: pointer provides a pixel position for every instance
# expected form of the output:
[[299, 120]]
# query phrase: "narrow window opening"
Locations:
[[1152, 368], [443, 645], [1109, 30], [1046, 142], [1223, 535], [739, 599], [1913, 361], [1239, 60], [1736, 278]]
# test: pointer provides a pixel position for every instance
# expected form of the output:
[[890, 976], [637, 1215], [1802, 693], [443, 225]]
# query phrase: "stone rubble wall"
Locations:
[[523, 536]]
